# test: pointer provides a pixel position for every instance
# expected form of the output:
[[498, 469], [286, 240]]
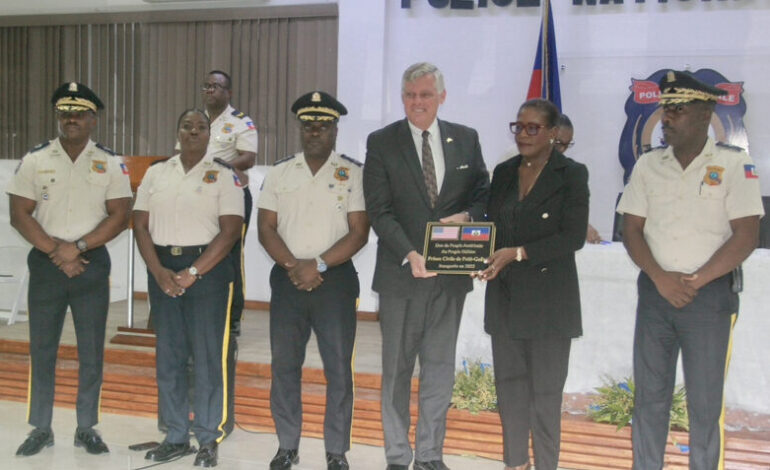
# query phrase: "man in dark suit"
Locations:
[[417, 170]]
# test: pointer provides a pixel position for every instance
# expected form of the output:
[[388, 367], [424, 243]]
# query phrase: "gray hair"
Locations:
[[421, 69]]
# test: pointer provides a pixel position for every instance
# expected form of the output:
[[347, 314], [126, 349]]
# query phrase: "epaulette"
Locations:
[[352, 160], [106, 149], [283, 160], [40, 146], [238, 114], [224, 163], [727, 146]]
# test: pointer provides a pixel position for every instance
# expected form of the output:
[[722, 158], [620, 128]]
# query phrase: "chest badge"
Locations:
[[342, 173], [713, 176], [99, 166], [210, 176], [227, 128]]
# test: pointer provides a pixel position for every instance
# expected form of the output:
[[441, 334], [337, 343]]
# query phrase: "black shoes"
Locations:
[[284, 459], [336, 462], [207, 455], [34, 443], [91, 441], [167, 451], [432, 465]]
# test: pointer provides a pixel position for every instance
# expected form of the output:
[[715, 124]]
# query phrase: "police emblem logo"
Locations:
[[316, 98], [342, 173], [713, 176], [227, 128], [73, 87], [642, 131], [99, 166], [210, 176]]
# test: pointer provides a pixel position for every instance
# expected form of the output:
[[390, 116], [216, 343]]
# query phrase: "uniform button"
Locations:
[[542, 270]]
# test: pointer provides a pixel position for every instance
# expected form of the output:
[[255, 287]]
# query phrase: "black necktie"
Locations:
[[429, 169]]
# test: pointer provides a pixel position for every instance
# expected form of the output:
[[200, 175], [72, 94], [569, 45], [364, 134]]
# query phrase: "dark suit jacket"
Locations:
[[539, 297], [397, 199]]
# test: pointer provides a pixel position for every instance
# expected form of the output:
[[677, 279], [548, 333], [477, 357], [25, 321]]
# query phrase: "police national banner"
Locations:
[[458, 248], [642, 131]]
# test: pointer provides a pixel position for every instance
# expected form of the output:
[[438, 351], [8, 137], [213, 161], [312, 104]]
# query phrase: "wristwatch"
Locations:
[[321, 264], [81, 245], [193, 272]]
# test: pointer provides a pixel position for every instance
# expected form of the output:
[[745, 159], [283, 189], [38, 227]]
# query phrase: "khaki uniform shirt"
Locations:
[[688, 212], [70, 195], [313, 209], [185, 207], [232, 131]]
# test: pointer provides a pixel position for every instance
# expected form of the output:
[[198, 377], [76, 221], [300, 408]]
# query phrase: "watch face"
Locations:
[[81, 245]]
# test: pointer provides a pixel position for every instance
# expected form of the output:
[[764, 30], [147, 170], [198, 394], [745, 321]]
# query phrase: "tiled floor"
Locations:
[[239, 451]]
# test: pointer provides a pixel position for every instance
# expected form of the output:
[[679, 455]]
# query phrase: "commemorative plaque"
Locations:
[[458, 248]]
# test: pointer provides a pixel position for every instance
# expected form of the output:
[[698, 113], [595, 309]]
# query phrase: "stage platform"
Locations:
[[130, 390]]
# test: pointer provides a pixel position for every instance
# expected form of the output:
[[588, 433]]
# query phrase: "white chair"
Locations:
[[13, 270]]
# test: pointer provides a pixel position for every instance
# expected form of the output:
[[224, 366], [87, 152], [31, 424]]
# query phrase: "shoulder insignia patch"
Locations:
[[727, 146], [352, 160], [284, 160], [106, 149], [238, 114], [40, 146]]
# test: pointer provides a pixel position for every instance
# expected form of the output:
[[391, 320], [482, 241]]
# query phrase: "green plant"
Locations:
[[615, 405], [474, 388]]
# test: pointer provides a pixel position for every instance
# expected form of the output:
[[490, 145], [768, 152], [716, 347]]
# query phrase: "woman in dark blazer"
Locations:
[[539, 203]]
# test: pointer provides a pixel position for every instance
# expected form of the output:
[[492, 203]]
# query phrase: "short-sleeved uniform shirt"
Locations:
[[688, 212], [185, 207], [313, 209], [70, 195]]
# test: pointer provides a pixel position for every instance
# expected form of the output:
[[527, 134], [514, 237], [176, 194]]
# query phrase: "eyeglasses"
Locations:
[[212, 86], [566, 145], [530, 128]]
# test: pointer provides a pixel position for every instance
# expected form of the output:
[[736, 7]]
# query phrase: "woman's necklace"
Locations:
[[531, 185]]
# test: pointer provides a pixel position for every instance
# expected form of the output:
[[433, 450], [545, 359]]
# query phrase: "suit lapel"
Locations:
[[411, 158], [451, 158], [549, 181]]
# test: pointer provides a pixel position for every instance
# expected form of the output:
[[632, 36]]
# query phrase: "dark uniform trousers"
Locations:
[[330, 311], [702, 331], [193, 324], [529, 379], [236, 308], [50, 293]]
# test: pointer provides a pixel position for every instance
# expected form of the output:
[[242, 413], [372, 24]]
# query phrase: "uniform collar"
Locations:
[[206, 163], [706, 153], [227, 112]]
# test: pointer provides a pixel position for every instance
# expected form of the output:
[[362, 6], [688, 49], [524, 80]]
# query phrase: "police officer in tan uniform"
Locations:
[[312, 221], [691, 216], [233, 142], [187, 216], [69, 197]]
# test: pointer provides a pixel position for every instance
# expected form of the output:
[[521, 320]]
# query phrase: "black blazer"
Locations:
[[539, 297], [397, 199]]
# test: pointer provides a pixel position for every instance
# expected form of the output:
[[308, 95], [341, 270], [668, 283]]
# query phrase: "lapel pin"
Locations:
[[449, 140], [545, 215]]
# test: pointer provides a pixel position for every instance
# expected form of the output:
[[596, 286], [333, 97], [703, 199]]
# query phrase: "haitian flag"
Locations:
[[545, 74], [475, 233]]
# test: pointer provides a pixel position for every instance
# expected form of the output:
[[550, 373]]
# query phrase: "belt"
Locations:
[[180, 250]]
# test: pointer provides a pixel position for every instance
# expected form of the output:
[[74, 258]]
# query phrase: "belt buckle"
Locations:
[[176, 251]]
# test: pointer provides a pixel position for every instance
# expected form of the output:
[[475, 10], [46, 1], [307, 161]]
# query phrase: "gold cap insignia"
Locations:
[[316, 97], [73, 87], [670, 76]]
